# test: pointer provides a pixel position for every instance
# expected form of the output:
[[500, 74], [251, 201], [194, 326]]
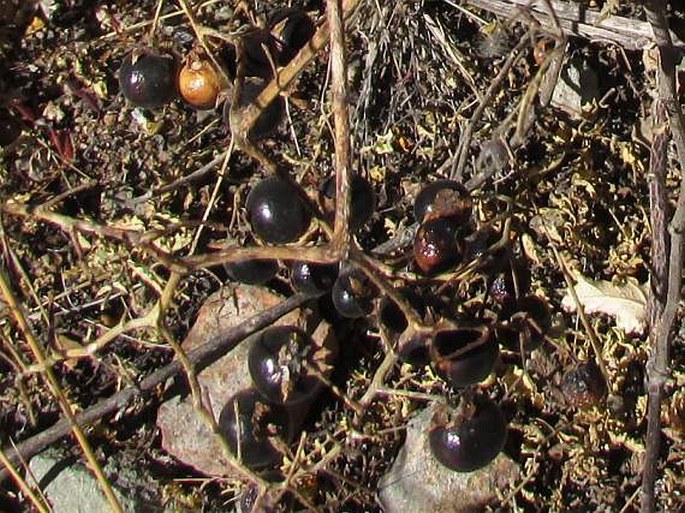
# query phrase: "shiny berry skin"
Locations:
[[147, 78], [294, 28], [468, 438], [277, 214], [284, 362], [511, 278], [312, 278], [414, 350], [458, 365], [436, 245], [252, 271], [252, 430], [362, 198], [584, 386], [269, 118], [426, 203], [199, 83], [353, 294]]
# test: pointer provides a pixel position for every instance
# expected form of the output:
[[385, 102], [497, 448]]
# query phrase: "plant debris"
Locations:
[[119, 224]]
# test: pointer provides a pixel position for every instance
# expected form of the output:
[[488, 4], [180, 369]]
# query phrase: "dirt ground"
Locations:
[[567, 191]]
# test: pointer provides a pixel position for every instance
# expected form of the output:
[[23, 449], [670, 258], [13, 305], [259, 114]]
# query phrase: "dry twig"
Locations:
[[576, 20], [658, 365], [71, 423], [199, 358]]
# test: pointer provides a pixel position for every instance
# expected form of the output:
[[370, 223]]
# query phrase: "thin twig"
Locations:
[[343, 163], [458, 162], [658, 364], [199, 357], [37, 502], [56, 390]]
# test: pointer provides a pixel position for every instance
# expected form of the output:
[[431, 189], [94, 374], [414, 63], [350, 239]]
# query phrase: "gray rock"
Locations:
[[71, 488], [577, 86], [417, 482], [184, 435]]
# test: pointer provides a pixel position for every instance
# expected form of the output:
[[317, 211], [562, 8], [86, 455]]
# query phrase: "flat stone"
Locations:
[[71, 488], [184, 435], [418, 482], [577, 88]]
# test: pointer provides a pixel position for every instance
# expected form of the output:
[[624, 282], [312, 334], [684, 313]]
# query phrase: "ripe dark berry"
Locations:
[[584, 385], [463, 355], [511, 282], [313, 278], [260, 50], [353, 294], [267, 121], [286, 364], [294, 28], [432, 198], [147, 78], [414, 350], [362, 198], [468, 438], [252, 271], [252, 426], [277, 214], [199, 83], [436, 245]]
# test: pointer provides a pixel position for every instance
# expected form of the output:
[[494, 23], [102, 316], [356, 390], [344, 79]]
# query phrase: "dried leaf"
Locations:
[[626, 302]]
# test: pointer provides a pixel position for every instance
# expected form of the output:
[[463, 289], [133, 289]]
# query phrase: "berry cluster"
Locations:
[[287, 367], [151, 79], [461, 345], [420, 322]]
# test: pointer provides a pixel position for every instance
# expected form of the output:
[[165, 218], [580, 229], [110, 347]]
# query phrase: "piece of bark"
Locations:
[[577, 20]]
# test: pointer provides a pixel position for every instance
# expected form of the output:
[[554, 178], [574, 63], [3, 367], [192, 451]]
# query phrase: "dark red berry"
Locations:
[[362, 198], [469, 437], [286, 365], [353, 294], [511, 283], [432, 199], [294, 28], [414, 349], [253, 428], [252, 271], [584, 386], [147, 78], [312, 278], [436, 245], [277, 214], [463, 355]]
